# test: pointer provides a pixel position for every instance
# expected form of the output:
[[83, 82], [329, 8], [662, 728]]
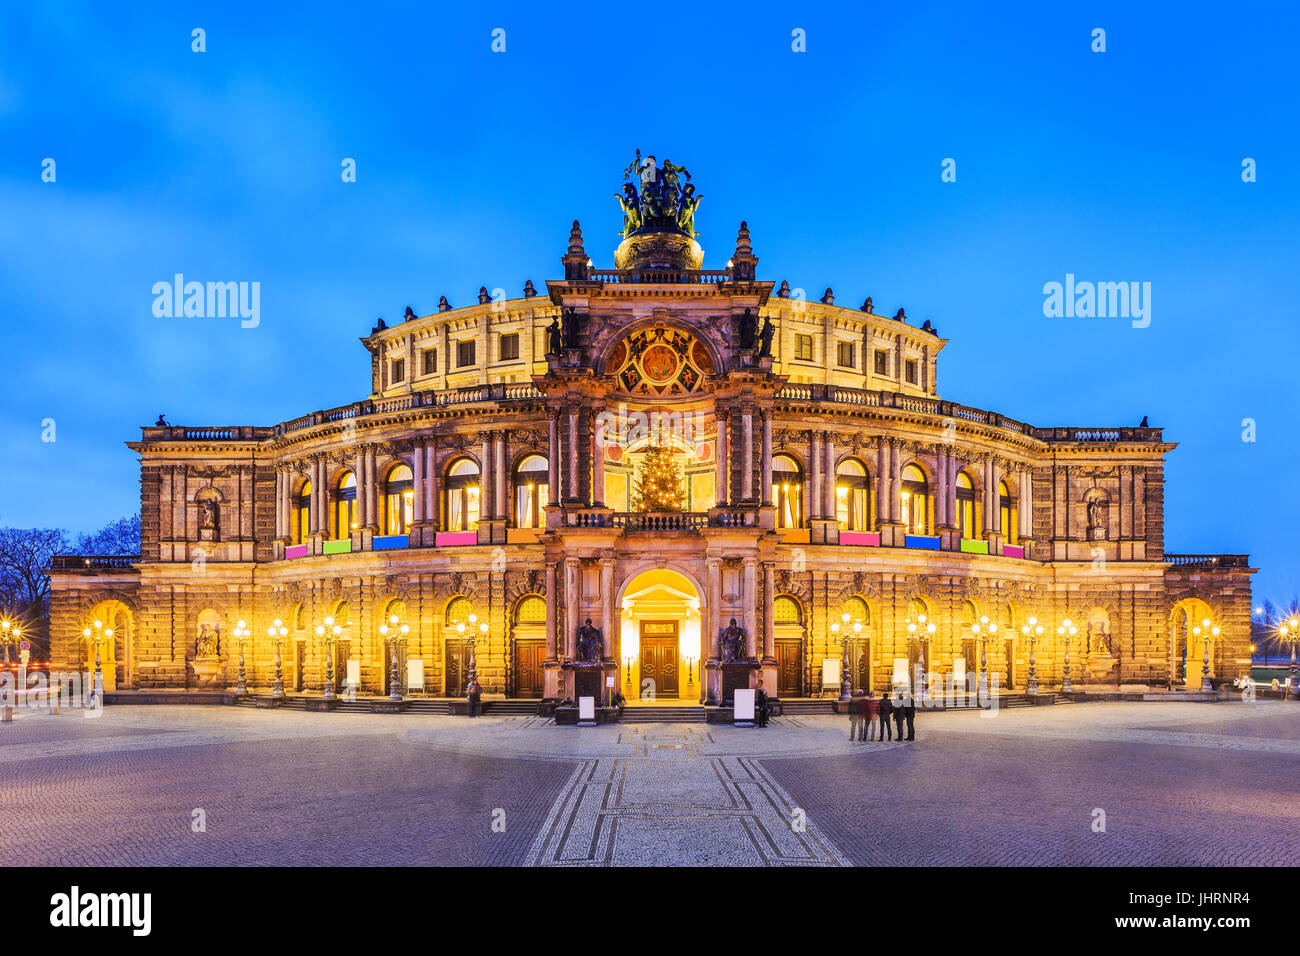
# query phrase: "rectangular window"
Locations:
[[844, 354], [430, 361], [509, 346], [803, 348], [399, 371], [882, 362], [910, 365], [464, 353]]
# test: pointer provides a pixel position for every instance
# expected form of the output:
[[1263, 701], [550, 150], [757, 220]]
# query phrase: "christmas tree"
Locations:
[[659, 487]]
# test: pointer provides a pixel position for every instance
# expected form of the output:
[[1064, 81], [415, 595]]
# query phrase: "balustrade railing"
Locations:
[[661, 276], [92, 562], [660, 521], [1208, 560]]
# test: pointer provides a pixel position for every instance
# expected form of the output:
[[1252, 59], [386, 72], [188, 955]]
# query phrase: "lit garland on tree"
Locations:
[[660, 486]]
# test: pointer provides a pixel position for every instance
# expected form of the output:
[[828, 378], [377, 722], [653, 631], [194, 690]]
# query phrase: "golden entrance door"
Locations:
[[659, 664], [528, 667], [789, 668]]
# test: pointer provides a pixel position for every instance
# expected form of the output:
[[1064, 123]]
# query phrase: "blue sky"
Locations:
[[224, 165]]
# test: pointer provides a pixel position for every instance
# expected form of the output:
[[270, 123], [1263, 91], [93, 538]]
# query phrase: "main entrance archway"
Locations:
[[660, 638]]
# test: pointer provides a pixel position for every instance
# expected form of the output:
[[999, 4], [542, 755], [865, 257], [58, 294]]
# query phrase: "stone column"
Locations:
[[747, 444], [550, 612], [279, 503], [371, 491], [895, 481], [433, 490], [359, 473], [607, 608], [815, 479], [486, 494], [597, 464], [1025, 505], [829, 504], [572, 490], [724, 459], [418, 480], [882, 483], [769, 615], [570, 606], [751, 606], [990, 496], [319, 521], [501, 509], [943, 503], [715, 607], [553, 458], [766, 475]]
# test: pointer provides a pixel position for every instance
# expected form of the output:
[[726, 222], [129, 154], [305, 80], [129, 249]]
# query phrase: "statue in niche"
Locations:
[[554, 337], [1097, 515], [765, 338], [1099, 638], [731, 642], [748, 329], [209, 520], [209, 641], [591, 645], [571, 328]]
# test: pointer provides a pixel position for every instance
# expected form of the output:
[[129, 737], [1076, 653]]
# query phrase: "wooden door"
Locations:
[[457, 669], [860, 652], [528, 667], [789, 669], [299, 665], [1010, 646], [342, 650], [659, 659]]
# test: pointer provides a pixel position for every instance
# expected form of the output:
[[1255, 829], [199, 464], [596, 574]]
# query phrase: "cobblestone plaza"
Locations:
[[1181, 784]]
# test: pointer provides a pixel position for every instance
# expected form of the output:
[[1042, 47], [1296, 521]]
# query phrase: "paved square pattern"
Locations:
[[1171, 783]]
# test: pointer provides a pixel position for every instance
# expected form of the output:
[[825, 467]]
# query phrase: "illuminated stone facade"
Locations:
[[491, 471]]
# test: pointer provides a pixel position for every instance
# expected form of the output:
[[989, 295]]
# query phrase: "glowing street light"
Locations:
[[1211, 633], [1032, 631], [277, 632], [1066, 631], [1289, 633], [984, 631], [98, 635], [393, 636], [328, 633], [241, 637]]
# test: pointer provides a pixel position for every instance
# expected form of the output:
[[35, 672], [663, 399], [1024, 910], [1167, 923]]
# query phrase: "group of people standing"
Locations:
[[870, 716]]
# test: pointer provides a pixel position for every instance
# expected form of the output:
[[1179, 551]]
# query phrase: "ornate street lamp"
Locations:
[[394, 637], [276, 632], [1210, 632], [846, 679], [328, 633], [920, 626], [10, 633], [1289, 633], [984, 631], [98, 635], [1032, 631], [241, 637], [1066, 632]]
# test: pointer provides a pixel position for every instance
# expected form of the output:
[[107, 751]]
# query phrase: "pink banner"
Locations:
[[297, 551], [452, 538], [1013, 551], [860, 537]]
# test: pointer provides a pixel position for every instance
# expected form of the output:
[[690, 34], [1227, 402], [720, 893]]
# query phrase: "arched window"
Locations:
[[462, 495], [396, 609], [342, 614], [298, 618], [302, 513], [531, 610], [458, 611], [785, 610], [965, 505], [856, 609], [345, 509], [399, 500], [787, 489], [916, 608], [1005, 505], [915, 496], [851, 496], [531, 490]]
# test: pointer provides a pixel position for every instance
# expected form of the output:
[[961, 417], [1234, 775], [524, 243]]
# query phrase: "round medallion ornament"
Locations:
[[659, 363]]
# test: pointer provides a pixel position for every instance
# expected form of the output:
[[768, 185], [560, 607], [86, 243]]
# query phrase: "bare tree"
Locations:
[[117, 537]]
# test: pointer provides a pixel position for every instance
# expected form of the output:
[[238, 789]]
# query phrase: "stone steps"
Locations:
[[663, 715]]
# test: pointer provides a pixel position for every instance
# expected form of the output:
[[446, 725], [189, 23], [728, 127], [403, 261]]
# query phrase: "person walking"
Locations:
[[864, 714], [886, 711], [474, 694], [873, 716], [760, 699], [909, 713], [854, 719], [898, 714]]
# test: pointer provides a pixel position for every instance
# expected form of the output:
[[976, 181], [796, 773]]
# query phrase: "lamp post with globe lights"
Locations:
[[924, 627], [1032, 631], [241, 638], [328, 633], [984, 631], [1066, 630], [98, 634], [1289, 633], [1209, 631], [394, 634], [846, 679], [277, 633], [10, 633]]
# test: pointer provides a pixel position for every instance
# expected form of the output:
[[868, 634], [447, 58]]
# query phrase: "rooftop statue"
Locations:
[[662, 203]]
